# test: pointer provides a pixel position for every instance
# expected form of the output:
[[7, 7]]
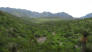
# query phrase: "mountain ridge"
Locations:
[[27, 13]]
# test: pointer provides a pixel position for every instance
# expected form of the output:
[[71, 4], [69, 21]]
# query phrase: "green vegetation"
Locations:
[[21, 35]]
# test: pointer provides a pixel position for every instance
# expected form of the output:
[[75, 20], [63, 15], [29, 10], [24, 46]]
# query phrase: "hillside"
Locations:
[[23, 35], [13, 32]]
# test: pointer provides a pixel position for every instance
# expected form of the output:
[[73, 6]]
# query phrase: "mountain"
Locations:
[[87, 16], [27, 13], [63, 15]]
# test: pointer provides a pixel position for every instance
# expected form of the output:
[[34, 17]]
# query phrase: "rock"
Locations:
[[41, 39]]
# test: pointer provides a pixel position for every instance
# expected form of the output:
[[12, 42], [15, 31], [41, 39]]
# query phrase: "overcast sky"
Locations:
[[75, 8]]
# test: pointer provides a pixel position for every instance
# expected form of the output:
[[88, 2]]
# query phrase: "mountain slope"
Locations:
[[13, 32]]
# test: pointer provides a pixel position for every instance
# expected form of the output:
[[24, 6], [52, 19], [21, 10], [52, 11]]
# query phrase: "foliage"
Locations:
[[61, 36]]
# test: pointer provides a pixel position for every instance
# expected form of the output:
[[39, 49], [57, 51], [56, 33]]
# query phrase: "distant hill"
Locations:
[[27, 13], [87, 16]]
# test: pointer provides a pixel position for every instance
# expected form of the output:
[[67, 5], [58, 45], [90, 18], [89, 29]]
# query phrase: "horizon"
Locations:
[[77, 8], [44, 11]]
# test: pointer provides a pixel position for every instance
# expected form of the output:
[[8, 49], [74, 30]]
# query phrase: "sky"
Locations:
[[76, 8]]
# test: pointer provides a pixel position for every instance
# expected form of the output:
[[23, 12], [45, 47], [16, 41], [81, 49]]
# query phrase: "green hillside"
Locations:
[[23, 35]]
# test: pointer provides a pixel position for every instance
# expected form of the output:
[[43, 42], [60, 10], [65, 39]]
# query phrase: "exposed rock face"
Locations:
[[41, 39], [53, 33]]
